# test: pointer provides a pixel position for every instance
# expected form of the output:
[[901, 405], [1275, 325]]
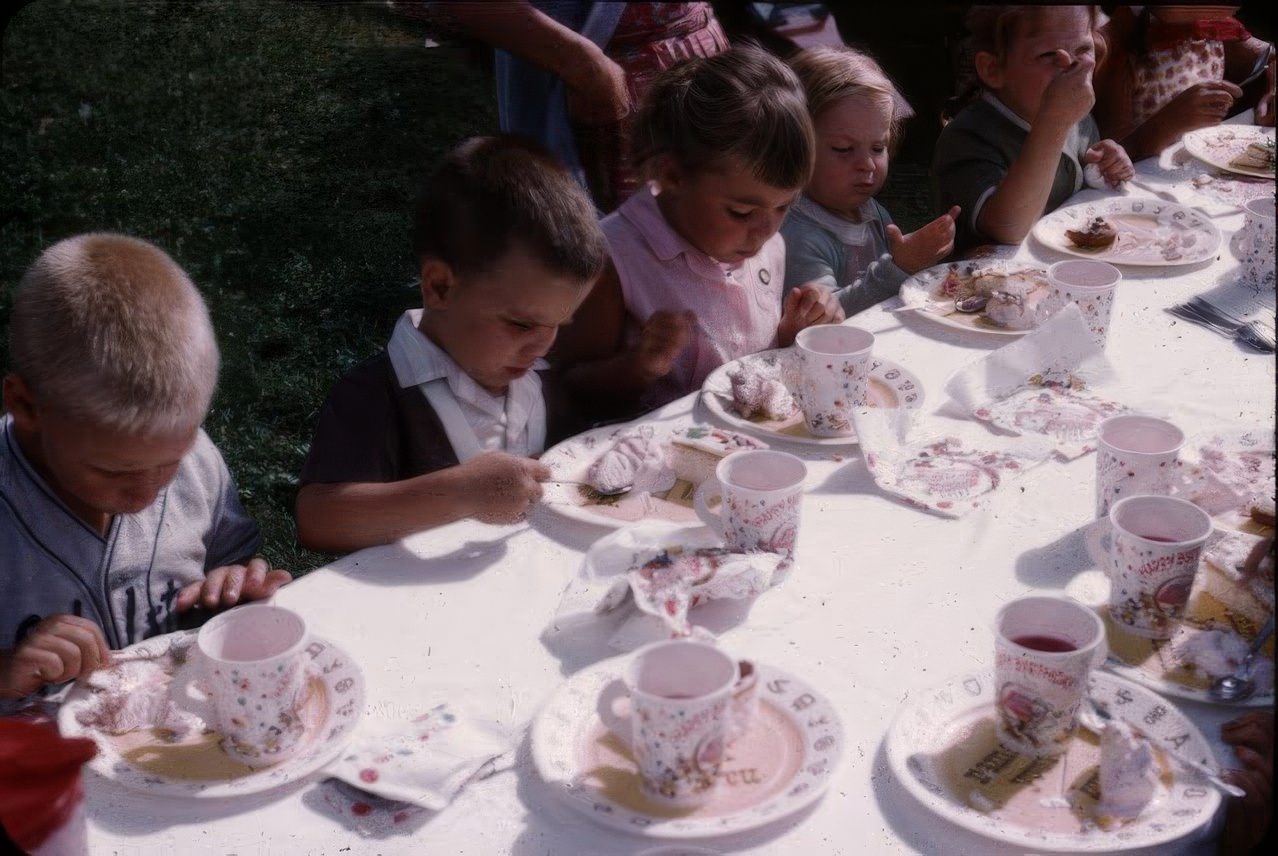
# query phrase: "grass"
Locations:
[[273, 149]]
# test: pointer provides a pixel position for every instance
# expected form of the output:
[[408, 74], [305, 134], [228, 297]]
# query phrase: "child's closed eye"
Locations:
[[738, 214]]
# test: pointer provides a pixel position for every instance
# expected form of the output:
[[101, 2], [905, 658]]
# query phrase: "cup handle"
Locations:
[[707, 490], [184, 679], [617, 724]]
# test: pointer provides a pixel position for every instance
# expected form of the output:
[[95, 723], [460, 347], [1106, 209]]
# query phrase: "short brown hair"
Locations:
[[992, 28], [109, 329], [489, 193], [830, 74], [742, 106]]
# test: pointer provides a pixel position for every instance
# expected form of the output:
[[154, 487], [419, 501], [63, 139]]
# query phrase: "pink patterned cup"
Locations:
[[248, 667], [833, 376], [1155, 543], [1045, 647], [1090, 284], [762, 492], [680, 718], [1134, 455]]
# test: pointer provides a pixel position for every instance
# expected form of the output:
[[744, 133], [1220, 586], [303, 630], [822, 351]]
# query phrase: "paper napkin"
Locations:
[[1054, 382], [662, 570], [398, 766]]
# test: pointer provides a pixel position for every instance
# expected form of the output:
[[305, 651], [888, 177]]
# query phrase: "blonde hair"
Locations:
[[109, 329], [743, 106], [830, 74]]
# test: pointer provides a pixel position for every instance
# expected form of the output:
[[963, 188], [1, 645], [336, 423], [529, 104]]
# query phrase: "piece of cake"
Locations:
[[1130, 772], [1019, 302], [697, 450], [1096, 235], [1223, 578], [134, 695], [1262, 511], [1257, 156], [758, 392], [635, 462]]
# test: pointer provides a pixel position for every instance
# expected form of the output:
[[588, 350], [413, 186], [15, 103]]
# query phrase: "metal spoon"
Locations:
[[622, 491], [1239, 686]]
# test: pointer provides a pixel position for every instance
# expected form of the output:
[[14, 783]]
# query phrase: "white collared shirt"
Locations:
[[502, 423]]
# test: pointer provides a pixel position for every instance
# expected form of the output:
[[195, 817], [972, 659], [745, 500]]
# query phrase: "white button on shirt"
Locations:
[[513, 423]]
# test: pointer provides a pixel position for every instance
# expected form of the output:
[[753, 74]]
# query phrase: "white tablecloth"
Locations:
[[888, 602]]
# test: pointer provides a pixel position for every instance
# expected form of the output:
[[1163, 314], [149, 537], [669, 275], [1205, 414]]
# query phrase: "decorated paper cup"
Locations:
[[680, 718], [1154, 547], [1045, 647], [762, 492], [1090, 284], [1135, 455], [833, 376], [247, 667], [1256, 242]]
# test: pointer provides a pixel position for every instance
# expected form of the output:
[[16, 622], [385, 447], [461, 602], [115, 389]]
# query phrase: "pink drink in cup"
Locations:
[[1155, 545], [1135, 455], [1045, 647]]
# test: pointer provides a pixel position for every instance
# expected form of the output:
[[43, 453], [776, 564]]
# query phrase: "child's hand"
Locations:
[[232, 584], [503, 487], [59, 648], [805, 306], [1202, 104], [923, 247], [1247, 817], [664, 336], [1069, 97], [1115, 165]]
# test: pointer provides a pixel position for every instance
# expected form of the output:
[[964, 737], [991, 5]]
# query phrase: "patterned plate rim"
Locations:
[[899, 754], [554, 742], [1192, 140], [921, 283], [337, 729], [1122, 204], [879, 370]]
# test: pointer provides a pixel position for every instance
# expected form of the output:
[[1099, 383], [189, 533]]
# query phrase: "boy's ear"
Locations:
[[438, 283], [667, 172], [989, 69], [19, 401]]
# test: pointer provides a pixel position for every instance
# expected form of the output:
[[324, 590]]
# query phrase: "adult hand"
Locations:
[[59, 648], [1248, 817], [923, 247], [805, 306], [597, 92], [1069, 97], [232, 584], [503, 487], [664, 336], [1115, 166]]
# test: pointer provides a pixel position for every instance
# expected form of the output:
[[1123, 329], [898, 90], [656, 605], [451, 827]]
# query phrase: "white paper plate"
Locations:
[[1151, 233], [891, 385], [333, 672], [794, 718], [1220, 144], [942, 720]]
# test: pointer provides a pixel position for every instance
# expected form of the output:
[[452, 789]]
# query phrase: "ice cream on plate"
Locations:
[[134, 695], [758, 391], [636, 461], [1130, 773]]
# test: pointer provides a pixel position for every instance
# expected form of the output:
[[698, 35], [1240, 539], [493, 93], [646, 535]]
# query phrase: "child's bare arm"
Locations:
[[493, 487], [590, 349], [1016, 205], [59, 648]]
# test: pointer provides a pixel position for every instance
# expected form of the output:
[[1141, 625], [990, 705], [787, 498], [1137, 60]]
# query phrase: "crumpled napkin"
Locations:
[[398, 766], [949, 473], [1054, 382], [663, 570], [1227, 471]]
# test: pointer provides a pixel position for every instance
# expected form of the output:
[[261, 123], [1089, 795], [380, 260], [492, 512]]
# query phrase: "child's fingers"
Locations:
[[276, 580], [38, 666], [254, 580], [187, 597], [211, 591], [537, 470], [233, 584], [85, 639], [66, 660], [895, 237]]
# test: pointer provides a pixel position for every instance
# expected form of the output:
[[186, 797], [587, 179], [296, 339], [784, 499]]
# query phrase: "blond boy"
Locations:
[[116, 511], [443, 423]]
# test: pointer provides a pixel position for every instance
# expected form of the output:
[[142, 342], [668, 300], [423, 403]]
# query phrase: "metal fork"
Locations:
[[1251, 333]]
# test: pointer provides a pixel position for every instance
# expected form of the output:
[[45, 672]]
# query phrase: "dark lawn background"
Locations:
[[273, 149]]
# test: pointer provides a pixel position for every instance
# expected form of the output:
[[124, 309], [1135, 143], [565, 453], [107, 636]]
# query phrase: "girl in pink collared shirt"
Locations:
[[697, 266]]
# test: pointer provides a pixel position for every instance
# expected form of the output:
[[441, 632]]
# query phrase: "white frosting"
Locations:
[[635, 461], [1215, 653], [758, 390], [135, 695], [1128, 772], [1018, 302]]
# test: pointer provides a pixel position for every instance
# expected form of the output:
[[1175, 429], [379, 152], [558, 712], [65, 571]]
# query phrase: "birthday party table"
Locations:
[[888, 602]]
